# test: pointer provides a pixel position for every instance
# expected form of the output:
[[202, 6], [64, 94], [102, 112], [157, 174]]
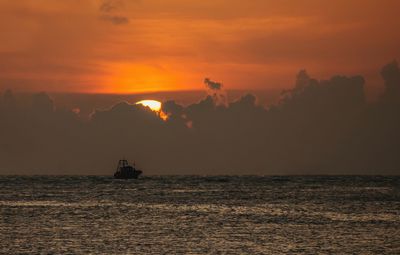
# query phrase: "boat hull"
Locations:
[[128, 175]]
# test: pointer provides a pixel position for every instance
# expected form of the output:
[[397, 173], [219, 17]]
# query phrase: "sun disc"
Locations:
[[152, 104]]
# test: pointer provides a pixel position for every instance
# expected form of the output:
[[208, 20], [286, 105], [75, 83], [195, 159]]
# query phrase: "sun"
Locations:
[[152, 104], [155, 106]]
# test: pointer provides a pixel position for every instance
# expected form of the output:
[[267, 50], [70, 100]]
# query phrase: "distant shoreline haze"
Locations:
[[318, 127]]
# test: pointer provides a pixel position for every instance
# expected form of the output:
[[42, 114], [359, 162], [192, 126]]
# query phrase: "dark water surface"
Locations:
[[200, 215]]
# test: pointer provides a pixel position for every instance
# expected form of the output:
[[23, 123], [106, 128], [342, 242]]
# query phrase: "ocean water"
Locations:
[[200, 215]]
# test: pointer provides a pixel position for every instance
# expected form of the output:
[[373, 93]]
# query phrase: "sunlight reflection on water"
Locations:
[[197, 215]]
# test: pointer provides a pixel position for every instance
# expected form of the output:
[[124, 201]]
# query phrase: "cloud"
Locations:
[[111, 10], [391, 75], [318, 127], [110, 6], [215, 90], [115, 19], [8, 102], [42, 104], [212, 84]]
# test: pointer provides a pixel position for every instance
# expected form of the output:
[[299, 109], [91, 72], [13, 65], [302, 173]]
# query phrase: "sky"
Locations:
[[117, 46], [258, 87]]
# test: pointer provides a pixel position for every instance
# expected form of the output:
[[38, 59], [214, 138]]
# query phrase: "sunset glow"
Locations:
[[155, 106], [152, 104], [230, 126], [145, 46]]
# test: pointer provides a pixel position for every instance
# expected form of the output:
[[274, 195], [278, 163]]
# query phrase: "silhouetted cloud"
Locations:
[[42, 104], [9, 101], [215, 89], [391, 75], [212, 84], [318, 127]]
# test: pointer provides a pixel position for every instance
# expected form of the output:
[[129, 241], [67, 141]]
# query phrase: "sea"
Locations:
[[200, 215]]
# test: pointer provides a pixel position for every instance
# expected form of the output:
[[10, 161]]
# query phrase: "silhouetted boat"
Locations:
[[125, 171]]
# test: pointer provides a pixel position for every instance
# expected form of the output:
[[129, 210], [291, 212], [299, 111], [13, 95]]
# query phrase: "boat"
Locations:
[[126, 171]]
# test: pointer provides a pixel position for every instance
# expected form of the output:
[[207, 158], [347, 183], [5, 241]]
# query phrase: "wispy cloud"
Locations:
[[115, 19], [111, 12]]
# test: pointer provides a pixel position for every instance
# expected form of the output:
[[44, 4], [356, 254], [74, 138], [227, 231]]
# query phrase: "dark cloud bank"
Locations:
[[318, 127]]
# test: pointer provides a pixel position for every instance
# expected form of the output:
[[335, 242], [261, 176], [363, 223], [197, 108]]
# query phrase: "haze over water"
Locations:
[[200, 215]]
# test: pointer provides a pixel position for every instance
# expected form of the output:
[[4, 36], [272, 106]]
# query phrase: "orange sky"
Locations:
[[150, 45]]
